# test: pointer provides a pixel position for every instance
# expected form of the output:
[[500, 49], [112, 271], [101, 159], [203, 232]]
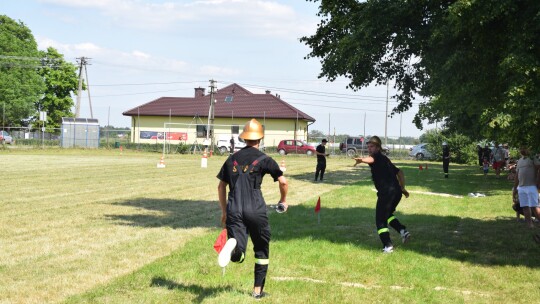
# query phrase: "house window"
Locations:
[[235, 129], [201, 131]]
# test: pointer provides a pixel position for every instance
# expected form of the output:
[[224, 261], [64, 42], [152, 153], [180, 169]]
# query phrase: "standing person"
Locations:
[[498, 159], [486, 153], [244, 212], [485, 166], [525, 185], [445, 158], [390, 184], [321, 159], [232, 144], [480, 153], [506, 155]]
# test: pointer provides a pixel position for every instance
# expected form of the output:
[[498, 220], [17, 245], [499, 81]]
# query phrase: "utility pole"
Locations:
[[210, 129], [386, 116], [83, 61]]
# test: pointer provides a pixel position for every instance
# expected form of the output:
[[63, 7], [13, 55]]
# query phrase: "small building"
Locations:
[[79, 132], [185, 119]]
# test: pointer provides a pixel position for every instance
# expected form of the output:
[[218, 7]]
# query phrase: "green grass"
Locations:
[[84, 226]]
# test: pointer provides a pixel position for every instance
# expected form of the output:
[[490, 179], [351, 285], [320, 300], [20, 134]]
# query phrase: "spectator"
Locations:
[[498, 159], [321, 159], [506, 154], [445, 158], [485, 166], [525, 185], [480, 152], [486, 153]]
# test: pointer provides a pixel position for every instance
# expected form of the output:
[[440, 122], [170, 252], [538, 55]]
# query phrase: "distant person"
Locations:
[[506, 154], [232, 144], [486, 153], [321, 160], [445, 158], [498, 159], [480, 153], [485, 166], [390, 184], [525, 185]]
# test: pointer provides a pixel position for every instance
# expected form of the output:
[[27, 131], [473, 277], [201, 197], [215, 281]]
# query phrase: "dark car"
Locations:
[[295, 146], [353, 146]]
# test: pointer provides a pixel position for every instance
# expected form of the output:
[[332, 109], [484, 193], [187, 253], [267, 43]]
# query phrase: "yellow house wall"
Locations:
[[275, 129]]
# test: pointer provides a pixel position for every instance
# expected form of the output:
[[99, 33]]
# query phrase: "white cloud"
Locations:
[[252, 18]]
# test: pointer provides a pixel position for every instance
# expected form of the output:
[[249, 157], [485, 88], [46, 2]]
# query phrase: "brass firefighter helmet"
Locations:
[[375, 140], [253, 130]]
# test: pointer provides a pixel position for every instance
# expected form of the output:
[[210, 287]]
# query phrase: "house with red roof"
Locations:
[[185, 119]]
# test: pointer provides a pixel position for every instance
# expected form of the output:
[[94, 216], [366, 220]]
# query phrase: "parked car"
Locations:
[[353, 146], [5, 138], [224, 143], [295, 146], [420, 152]]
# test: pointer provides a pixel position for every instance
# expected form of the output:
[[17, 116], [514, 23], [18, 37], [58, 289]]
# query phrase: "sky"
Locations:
[[141, 50]]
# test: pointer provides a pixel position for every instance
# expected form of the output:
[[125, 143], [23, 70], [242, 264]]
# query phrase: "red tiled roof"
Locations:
[[243, 104]]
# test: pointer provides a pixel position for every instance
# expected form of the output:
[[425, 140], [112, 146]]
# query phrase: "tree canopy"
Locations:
[[32, 80], [475, 64], [20, 85], [60, 79]]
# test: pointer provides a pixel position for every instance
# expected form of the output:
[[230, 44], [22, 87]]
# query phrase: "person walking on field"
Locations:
[[390, 184], [525, 185], [498, 159], [445, 158], [321, 159], [244, 212]]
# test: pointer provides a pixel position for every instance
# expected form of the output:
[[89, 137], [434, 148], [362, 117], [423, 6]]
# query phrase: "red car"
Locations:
[[295, 146]]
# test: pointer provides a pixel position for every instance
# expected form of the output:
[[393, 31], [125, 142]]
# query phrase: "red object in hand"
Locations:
[[221, 240]]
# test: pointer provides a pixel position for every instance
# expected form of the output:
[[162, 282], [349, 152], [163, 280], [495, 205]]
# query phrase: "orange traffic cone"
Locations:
[[161, 163], [420, 167], [282, 166], [204, 160]]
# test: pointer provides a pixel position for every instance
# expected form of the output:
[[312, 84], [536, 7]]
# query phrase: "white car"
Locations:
[[420, 152], [5, 138], [224, 144]]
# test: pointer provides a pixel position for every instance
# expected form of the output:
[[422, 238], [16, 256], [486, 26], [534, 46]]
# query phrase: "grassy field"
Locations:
[[82, 226]]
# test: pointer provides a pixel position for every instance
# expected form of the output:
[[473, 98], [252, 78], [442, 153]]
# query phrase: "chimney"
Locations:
[[268, 92], [199, 92]]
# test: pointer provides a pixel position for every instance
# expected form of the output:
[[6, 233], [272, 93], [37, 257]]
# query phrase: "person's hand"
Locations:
[[223, 219], [327, 154], [405, 192], [358, 161]]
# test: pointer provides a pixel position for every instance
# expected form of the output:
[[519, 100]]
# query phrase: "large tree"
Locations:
[[476, 63], [60, 80], [20, 84]]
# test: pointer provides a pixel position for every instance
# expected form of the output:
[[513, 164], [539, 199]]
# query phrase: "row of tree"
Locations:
[[32, 80], [475, 64]]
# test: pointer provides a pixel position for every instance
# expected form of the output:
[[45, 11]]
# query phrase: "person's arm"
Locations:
[[222, 195], [401, 179], [283, 189], [366, 160], [516, 183]]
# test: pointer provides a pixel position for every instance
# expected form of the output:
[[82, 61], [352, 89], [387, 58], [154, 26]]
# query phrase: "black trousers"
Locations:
[[321, 167], [387, 202], [445, 164]]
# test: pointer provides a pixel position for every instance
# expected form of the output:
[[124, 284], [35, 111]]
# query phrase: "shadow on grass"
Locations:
[[338, 177], [463, 179], [499, 241], [169, 213], [201, 292]]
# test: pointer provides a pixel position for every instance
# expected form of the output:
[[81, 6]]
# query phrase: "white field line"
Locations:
[[432, 193], [363, 286]]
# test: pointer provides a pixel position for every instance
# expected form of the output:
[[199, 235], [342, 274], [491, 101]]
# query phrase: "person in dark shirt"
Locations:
[[390, 184], [244, 212], [321, 159], [445, 158]]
